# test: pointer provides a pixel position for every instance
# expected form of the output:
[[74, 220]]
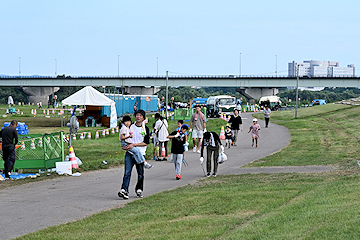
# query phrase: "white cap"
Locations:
[[254, 120]]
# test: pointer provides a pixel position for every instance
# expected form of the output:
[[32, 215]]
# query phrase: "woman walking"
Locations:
[[236, 125]]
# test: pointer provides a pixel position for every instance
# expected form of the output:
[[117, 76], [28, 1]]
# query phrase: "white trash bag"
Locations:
[[222, 157]]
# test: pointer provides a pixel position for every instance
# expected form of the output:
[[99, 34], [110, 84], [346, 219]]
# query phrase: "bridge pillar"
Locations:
[[256, 93], [37, 94], [142, 90]]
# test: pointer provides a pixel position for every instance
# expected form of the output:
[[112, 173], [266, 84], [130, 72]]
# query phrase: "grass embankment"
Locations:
[[263, 206]]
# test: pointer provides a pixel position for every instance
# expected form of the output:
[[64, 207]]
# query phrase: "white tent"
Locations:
[[90, 96]]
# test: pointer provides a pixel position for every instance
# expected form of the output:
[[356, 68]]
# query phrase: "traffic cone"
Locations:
[[40, 142], [32, 111], [97, 135], [48, 140], [222, 133], [67, 137], [221, 116], [163, 150], [72, 158], [112, 131], [74, 136], [23, 145], [244, 110], [89, 135], [7, 111], [32, 145], [228, 118], [107, 131], [58, 138], [81, 136], [53, 111], [44, 111], [103, 133], [117, 129], [48, 112]]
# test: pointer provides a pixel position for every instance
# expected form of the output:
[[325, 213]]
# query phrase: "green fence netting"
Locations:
[[39, 152]]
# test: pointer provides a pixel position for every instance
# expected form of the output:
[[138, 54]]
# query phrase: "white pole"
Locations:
[[167, 80], [297, 91]]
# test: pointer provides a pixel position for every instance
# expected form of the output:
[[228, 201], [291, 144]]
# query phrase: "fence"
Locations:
[[40, 152]]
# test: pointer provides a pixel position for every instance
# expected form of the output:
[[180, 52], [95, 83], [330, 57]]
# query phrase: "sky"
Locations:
[[188, 37]]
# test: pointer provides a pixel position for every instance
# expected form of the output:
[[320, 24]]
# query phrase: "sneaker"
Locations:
[[148, 165], [214, 174], [123, 194], [198, 151], [139, 193], [194, 149], [208, 175], [178, 177]]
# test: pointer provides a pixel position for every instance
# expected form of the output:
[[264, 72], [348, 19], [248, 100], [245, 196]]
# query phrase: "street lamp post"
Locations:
[[118, 66], [276, 66], [19, 66], [240, 66], [55, 67], [297, 91], [157, 66], [167, 93]]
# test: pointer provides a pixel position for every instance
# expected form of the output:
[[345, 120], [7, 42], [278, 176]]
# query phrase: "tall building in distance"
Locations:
[[320, 69]]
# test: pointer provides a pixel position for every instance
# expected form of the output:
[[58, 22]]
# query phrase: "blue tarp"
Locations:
[[22, 128], [19, 175]]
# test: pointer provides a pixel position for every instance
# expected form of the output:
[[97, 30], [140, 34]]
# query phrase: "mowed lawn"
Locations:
[[261, 206]]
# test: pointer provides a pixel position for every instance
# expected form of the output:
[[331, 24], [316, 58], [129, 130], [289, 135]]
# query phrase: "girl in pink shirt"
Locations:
[[255, 132]]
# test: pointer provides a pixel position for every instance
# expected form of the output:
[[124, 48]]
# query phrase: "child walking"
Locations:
[[178, 129], [228, 136], [177, 148], [255, 132], [155, 141], [125, 138]]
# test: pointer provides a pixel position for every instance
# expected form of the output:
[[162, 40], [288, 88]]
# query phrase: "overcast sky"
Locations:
[[201, 37]]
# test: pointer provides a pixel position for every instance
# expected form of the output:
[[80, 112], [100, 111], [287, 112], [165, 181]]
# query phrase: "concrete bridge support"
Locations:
[[142, 90], [37, 94], [256, 93]]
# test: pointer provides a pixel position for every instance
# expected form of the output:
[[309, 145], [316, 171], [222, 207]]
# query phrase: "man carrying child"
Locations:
[[140, 139]]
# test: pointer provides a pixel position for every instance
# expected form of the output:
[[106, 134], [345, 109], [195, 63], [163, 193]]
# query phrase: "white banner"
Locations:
[[113, 116]]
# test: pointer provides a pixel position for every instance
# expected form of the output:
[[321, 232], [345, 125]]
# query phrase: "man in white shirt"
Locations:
[[140, 140]]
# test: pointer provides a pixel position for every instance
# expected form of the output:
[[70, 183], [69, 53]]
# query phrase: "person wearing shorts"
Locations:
[[198, 126]]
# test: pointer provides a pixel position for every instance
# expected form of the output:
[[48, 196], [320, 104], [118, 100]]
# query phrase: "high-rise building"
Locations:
[[320, 69]]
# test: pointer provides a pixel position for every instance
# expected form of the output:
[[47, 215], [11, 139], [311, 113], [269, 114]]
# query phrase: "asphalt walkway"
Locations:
[[38, 205]]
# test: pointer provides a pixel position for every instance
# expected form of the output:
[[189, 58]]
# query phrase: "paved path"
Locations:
[[38, 205]]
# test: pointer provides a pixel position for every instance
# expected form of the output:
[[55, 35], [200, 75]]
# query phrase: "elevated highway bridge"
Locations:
[[252, 87]]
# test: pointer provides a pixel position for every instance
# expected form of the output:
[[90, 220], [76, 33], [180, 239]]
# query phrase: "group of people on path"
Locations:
[[135, 138]]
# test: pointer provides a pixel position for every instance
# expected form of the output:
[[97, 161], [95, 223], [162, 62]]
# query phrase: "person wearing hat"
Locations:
[[140, 139], [254, 129]]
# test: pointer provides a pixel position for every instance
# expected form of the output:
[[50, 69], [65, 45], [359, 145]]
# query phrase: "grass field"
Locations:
[[264, 206]]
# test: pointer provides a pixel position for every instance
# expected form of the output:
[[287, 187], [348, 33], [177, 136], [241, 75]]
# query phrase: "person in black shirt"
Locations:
[[177, 148], [9, 140], [236, 125], [213, 146]]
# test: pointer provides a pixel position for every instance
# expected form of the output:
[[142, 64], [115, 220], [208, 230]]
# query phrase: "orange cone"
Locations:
[[44, 111], [32, 145], [222, 133], [112, 131], [89, 135], [163, 150], [117, 129], [74, 136], [97, 135], [82, 136], [48, 112], [40, 142], [72, 158], [23, 145], [107, 131], [53, 111], [103, 133]]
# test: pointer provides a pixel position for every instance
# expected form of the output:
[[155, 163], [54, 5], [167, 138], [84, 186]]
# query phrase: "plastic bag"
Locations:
[[222, 157]]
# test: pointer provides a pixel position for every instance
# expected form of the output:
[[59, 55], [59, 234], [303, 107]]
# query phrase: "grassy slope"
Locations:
[[266, 206]]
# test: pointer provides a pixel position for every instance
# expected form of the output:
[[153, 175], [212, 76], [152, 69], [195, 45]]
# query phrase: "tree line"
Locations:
[[184, 94]]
